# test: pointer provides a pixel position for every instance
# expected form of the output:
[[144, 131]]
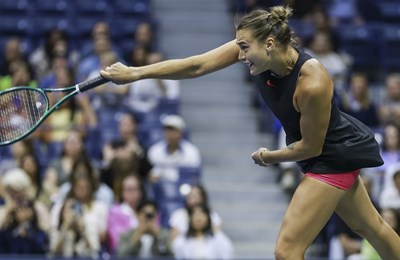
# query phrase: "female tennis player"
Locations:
[[330, 146]]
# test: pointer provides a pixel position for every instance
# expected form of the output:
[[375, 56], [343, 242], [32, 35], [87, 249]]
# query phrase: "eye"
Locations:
[[244, 48]]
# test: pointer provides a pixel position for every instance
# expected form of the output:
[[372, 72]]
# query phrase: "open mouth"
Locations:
[[249, 65]]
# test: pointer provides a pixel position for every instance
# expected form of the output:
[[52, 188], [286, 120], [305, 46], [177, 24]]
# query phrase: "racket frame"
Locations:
[[71, 91]]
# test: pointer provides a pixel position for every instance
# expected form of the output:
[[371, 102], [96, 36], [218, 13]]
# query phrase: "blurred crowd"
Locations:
[[113, 171]]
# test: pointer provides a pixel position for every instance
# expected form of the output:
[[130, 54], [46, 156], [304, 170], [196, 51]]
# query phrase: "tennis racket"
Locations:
[[23, 109]]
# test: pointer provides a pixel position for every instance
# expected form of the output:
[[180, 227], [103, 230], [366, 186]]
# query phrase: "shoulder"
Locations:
[[189, 145], [314, 78]]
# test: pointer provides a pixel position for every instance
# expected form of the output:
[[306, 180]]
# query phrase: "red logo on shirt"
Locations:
[[270, 84]]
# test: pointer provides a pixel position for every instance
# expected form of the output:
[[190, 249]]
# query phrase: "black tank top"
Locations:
[[349, 144]]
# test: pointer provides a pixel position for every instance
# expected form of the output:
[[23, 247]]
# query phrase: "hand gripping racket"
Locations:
[[23, 109]]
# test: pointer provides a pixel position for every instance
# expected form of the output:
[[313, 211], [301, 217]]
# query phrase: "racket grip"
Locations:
[[91, 83]]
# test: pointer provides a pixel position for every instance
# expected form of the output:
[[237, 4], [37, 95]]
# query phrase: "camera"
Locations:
[[149, 215], [77, 207]]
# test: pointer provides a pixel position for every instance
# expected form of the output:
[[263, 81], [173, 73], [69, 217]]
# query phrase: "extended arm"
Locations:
[[191, 67]]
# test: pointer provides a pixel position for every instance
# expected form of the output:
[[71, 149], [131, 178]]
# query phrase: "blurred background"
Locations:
[[162, 169]]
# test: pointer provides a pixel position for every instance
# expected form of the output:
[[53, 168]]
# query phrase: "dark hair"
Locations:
[[37, 179], [396, 126], [145, 203], [90, 175], [141, 187], [273, 22], [207, 230], [203, 193]]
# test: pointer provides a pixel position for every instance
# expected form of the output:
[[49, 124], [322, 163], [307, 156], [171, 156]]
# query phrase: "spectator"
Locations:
[[82, 233], [124, 156], [138, 56], [60, 167], [145, 95], [21, 234], [18, 76], [148, 239], [389, 109], [17, 150], [30, 164], [173, 152], [55, 45], [358, 102], [390, 196], [390, 152], [12, 52], [83, 166], [200, 241], [101, 44], [109, 96], [58, 65], [321, 47], [344, 12], [17, 187], [73, 235], [122, 215], [76, 112], [145, 36], [179, 219]]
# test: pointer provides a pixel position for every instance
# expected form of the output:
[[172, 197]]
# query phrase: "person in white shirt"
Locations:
[[173, 152], [201, 242], [390, 196], [145, 95], [179, 219]]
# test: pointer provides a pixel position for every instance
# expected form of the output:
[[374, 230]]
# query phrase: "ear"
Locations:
[[269, 44]]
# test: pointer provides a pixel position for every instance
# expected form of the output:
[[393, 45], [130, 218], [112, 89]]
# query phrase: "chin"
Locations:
[[254, 72]]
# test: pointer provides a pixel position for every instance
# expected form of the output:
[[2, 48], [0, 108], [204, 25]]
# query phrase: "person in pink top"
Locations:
[[122, 215]]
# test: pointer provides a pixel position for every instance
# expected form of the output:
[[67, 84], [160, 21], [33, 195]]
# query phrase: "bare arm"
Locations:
[[191, 67], [313, 100]]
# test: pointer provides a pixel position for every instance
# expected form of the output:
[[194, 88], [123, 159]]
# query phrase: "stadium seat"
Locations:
[[51, 7], [166, 209], [43, 24], [303, 30], [98, 8], [390, 48], [14, 25], [14, 6], [168, 106], [124, 28], [389, 11], [360, 43], [189, 175], [82, 26], [142, 7]]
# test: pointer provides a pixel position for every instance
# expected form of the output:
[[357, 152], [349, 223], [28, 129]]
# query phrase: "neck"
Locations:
[[287, 63]]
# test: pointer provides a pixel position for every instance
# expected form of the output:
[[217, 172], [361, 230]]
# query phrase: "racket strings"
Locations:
[[20, 110]]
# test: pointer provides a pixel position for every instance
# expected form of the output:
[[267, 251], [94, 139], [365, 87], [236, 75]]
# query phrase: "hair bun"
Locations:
[[281, 13]]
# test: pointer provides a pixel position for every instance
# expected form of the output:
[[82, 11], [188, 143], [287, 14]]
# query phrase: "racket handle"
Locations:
[[91, 83]]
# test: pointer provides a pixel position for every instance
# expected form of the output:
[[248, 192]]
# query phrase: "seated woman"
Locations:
[[21, 233], [79, 222], [200, 241]]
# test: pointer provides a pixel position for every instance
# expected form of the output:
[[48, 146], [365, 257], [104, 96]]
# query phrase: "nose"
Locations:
[[241, 56]]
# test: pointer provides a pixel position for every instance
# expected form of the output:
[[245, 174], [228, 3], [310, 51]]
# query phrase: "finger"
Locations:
[[105, 74]]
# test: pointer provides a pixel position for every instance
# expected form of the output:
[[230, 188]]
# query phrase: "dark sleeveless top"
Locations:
[[349, 144]]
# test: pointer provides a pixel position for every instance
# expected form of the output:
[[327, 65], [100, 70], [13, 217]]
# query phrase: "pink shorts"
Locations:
[[340, 180]]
